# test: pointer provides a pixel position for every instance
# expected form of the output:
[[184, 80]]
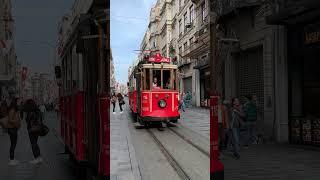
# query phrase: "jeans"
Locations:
[[13, 133], [250, 133], [182, 105], [114, 106], [34, 144], [236, 140], [120, 105]]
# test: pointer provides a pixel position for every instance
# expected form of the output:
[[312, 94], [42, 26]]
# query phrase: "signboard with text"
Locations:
[[159, 59]]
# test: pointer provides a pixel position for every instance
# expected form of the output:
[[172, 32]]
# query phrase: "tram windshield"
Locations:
[[157, 79]]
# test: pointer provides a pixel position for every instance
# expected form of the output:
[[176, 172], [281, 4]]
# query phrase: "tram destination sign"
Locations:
[[159, 59]]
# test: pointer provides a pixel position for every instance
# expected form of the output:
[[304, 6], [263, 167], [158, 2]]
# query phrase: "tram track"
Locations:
[[172, 161], [189, 142]]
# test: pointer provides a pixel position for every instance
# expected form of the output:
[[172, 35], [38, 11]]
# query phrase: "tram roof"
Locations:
[[158, 66]]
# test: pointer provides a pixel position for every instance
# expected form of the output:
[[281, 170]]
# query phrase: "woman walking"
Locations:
[[14, 123], [33, 122], [235, 123], [113, 101], [121, 102]]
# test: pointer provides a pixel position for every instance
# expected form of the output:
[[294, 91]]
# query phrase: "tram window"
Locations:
[[156, 80], [147, 79], [167, 79]]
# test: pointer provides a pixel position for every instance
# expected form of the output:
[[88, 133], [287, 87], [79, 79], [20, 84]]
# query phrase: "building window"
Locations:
[[191, 9], [180, 4], [180, 26], [185, 18], [203, 11], [191, 41], [185, 46], [180, 51]]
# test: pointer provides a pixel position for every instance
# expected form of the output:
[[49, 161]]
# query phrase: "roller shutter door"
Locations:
[[187, 84], [249, 67]]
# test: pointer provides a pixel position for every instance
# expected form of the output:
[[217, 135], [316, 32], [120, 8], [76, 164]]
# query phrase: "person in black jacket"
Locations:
[[33, 118], [120, 101]]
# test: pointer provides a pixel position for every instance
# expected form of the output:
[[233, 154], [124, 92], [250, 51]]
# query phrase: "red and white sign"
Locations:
[[159, 59]]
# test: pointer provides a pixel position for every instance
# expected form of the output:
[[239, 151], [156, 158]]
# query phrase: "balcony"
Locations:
[[200, 44], [225, 7]]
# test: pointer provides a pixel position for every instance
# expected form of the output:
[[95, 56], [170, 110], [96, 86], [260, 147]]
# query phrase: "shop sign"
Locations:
[[312, 37], [312, 34]]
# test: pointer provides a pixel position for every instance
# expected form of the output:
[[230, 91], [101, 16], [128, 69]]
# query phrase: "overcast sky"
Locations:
[[129, 19], [36, 26]]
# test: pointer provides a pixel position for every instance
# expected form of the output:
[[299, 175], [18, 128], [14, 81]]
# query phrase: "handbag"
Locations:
[[4, 122]]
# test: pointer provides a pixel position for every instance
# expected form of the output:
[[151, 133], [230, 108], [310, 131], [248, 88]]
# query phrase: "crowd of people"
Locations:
[[233, 117], [12, 112]]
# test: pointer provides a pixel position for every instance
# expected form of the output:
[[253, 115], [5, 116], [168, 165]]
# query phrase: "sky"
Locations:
[[36, 31], [129, 21]]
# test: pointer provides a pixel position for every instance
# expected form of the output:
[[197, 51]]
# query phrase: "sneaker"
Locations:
[[36, 161], [121, 112], [13, 163], [114, 113]]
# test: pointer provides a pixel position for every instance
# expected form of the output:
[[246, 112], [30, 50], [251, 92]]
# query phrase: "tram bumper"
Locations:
[[160, 119]]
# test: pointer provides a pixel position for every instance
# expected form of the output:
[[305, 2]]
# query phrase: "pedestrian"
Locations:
[[250, 110], [182, 104], [3, 115], [33, 120], [223, 120], [113, 101], [235, 124], [226, 119], [43, 110], [14, 123], [56, 108], [120, 101]]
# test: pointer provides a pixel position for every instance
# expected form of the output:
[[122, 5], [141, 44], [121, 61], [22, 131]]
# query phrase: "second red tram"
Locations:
[[84, 93], [154, 90]]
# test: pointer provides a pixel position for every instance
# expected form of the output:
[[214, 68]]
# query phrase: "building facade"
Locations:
[[179, 30], [8, 58], [297, 86]]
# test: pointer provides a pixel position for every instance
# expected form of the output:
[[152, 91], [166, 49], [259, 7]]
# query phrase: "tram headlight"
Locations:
[[162, 103]]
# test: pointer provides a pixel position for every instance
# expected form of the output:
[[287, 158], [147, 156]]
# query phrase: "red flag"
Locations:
[[2, 45]]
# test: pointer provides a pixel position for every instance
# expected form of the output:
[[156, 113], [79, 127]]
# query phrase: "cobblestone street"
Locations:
[[55, 165], [197, 119]]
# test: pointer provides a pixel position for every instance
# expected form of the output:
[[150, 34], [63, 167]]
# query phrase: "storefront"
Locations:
[[304, 83]]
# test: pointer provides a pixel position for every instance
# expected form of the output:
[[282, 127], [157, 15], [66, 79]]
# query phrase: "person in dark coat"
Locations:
[[33, 117], [120, 101]]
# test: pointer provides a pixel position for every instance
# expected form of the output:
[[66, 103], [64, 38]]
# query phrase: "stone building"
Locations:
[[8, 58], [178, 29]]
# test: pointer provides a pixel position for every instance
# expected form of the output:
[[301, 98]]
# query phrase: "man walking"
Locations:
[[250, 110]]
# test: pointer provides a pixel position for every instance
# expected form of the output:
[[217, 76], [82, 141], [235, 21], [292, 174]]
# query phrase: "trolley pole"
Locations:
[[216, 167]]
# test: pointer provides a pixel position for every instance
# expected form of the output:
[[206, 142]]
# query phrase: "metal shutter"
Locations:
[[250, 75], [187, 84]]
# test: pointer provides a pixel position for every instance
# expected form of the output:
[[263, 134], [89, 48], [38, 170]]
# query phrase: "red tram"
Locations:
[[154, 90], [84, 93]]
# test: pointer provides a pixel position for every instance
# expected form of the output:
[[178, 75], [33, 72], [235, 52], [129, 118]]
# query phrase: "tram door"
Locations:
[[138, 83]]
